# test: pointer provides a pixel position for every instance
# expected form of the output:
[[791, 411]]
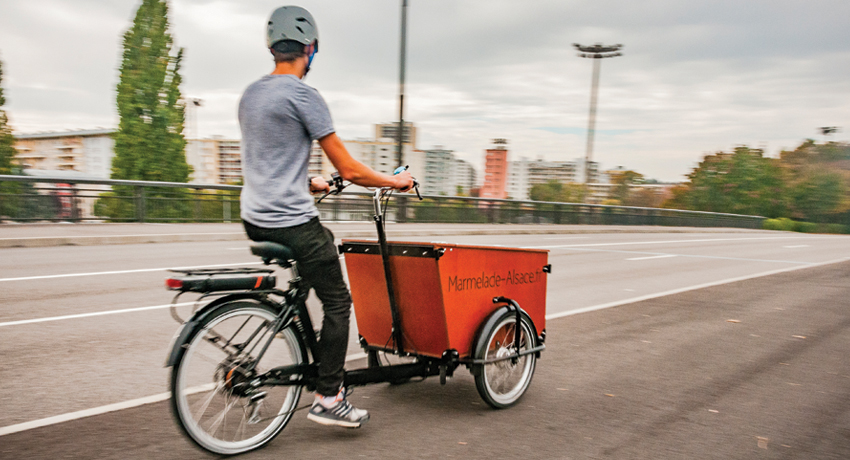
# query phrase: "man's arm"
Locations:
[[355, 171]]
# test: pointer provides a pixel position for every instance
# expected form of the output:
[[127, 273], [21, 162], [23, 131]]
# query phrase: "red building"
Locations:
[[496, 170]]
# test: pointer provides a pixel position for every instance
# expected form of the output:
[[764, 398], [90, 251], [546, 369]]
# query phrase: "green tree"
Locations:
[[7, 141], [623, 180], [555, 191], [149, 144], [819, 175], [9, 191], [819, 193], [742, 182]]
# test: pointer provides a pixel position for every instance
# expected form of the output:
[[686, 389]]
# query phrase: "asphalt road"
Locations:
[[685, 382]]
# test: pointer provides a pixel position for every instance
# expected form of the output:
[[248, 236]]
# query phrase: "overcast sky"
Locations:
[[695, 77]]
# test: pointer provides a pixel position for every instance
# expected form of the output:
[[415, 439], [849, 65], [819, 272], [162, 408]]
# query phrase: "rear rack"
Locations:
[[222, 271], [208, 280]]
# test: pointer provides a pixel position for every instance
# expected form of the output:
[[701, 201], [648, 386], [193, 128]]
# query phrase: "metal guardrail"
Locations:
[[32, 199]]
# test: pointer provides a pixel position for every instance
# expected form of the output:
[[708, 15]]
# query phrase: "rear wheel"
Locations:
[[502, 383], [212, 395]]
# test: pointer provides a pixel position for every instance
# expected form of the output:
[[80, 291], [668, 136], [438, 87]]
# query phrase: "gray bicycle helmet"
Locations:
[[292, 23]]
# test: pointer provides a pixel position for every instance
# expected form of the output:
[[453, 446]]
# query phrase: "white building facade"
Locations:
[[87, 152], [525, 174]]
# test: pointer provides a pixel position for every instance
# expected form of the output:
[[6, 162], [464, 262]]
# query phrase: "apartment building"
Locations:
[[390, 131], [437, 176], [88, 152], [463, 176]]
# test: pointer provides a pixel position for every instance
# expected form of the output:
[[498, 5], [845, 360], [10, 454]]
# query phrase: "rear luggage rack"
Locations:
[[221, 279]]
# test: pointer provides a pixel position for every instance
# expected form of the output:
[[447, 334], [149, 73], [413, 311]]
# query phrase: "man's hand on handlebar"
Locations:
[[319, 185], [403, 181]]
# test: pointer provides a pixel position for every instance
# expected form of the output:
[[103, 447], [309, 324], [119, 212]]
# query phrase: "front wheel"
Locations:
[[502, 383], [212, 395]]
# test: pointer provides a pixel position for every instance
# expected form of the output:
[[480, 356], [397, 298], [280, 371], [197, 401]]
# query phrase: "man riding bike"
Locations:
[[280, 117]]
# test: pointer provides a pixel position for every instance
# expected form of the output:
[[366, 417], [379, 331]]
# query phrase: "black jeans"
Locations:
[[318, 265]]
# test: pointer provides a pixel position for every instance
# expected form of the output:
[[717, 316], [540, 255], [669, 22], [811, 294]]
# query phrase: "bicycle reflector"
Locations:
[[174, 284]]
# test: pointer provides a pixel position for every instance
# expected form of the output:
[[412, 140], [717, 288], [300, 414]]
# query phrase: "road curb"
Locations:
[[393, 231]]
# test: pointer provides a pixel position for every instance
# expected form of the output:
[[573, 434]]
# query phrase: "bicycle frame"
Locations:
[[293, 309]]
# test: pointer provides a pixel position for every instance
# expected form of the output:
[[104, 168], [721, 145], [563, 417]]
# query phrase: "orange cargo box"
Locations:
[[444, 292]]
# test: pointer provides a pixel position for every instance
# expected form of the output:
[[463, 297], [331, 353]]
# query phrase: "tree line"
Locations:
[[810, 183]]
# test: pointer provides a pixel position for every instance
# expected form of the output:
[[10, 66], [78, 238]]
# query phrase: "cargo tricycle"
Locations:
[[241, 361]]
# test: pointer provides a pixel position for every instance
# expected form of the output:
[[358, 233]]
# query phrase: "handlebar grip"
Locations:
[[400, 169]]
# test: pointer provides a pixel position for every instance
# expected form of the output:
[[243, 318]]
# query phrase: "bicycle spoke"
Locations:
[[241, 428], [222, 416], [206, 404]]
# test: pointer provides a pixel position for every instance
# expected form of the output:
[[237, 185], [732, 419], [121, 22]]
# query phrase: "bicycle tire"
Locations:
[[501, 384], [206, 375]]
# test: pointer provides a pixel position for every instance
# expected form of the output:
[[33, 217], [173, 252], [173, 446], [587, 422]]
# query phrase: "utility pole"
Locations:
[[595, 52], [402, 57]]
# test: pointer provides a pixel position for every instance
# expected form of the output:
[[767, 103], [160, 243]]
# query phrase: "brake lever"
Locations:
[[416, 187], [338, 185], [325, 196]]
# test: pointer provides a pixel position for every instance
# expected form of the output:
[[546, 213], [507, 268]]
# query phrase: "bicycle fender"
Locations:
[[191, 325], [481, 337]]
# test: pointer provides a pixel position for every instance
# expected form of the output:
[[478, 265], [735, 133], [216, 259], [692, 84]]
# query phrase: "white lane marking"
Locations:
[[83, 413], [121, 272], [566, 237], [707, 240], [690, 288], [89, 315], [237, 249], [113, 407], [164, 396], [119, 236], [697, 256], [796, 246], [662, 256]]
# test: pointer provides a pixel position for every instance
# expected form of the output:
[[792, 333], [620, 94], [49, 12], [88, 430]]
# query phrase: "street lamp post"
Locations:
[[596, 52], [402, 58]]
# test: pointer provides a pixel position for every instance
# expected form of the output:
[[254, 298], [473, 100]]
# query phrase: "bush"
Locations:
[[805, 227], [783, 224], [787, 225], [835, 228]]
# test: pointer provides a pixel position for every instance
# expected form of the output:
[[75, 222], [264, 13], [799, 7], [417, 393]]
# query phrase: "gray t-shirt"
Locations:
[[279, 117]]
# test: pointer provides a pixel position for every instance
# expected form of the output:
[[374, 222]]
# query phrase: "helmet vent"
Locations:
[[299, 29]]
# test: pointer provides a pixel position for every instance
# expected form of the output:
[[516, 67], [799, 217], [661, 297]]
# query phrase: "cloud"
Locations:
[[695, 77]]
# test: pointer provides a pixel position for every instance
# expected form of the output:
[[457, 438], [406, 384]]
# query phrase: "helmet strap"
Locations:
[[310, 60]]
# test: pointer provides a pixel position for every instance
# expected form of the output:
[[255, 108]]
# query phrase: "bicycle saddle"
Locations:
[[273, 253]]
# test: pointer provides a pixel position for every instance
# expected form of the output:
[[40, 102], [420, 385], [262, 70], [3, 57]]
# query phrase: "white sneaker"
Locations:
[[342, 413]]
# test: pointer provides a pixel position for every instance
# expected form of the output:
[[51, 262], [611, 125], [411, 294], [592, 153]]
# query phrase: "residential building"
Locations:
[[229, 161], [495, 170], [320, 164], [582, 173], [437, 177], [463, 176], [390, 131], [541, 172], [88, 152], [215, 160], [202, 156], [518, 185]]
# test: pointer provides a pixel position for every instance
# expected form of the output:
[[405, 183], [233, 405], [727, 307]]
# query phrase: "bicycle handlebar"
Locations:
[[337, 185]]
